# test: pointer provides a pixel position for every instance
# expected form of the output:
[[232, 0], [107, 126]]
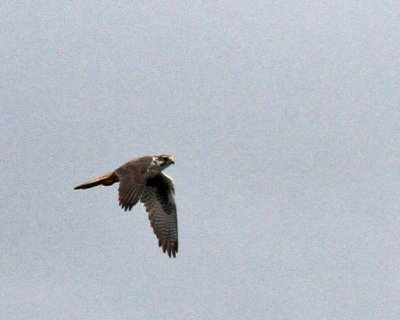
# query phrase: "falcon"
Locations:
[[142, 179]]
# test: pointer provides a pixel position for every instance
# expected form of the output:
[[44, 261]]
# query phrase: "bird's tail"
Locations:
[[106, 180]]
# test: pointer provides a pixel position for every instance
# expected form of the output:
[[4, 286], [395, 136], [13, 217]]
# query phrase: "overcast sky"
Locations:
[[284, 120]]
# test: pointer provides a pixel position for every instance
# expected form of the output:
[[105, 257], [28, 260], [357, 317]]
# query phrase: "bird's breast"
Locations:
[[154, 170]]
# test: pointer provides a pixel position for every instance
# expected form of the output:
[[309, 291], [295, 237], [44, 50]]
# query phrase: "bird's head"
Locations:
[[163, 161]]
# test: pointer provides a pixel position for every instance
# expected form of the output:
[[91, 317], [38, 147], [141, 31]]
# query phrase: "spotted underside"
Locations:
[[158, 198]]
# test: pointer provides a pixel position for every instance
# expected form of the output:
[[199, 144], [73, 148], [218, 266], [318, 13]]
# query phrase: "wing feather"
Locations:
[[158, 199], [132, 177]]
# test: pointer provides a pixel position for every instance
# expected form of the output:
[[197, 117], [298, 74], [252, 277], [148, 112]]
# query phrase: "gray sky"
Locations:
[[284, 121]]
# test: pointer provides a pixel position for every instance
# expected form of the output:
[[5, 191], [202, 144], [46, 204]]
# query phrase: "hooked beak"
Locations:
[[171, 159]]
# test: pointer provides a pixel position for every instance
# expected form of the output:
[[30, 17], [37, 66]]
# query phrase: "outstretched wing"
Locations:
[[158, 198], [132, 181]]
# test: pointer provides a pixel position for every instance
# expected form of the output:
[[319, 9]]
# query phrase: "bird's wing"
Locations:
[[132, 181], [158, 198]]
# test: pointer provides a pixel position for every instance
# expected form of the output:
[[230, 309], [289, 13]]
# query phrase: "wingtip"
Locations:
[[170, 249]]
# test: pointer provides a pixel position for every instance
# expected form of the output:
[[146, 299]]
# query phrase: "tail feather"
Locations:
[[106, 180]]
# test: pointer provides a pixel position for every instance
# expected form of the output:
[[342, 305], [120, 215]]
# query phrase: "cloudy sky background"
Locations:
[[284, 121]]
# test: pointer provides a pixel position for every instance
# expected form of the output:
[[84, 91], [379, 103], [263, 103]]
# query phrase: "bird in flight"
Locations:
[[141, 179]]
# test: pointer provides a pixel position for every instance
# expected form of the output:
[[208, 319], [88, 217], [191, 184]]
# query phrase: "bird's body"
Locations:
[[141, 179]]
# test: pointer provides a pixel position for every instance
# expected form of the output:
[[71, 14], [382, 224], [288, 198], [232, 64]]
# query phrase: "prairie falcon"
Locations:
[[141, 179]]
